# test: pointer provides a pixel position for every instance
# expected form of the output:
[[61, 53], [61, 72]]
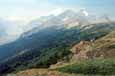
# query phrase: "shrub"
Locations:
[[97, 66]]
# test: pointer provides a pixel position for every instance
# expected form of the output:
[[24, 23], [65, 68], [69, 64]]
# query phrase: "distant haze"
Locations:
[[29, 9], [16, 14]]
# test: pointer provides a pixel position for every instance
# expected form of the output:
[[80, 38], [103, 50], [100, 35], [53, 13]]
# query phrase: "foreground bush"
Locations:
[[97, 66]]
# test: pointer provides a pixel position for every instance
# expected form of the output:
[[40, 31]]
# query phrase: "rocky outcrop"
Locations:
[[80, 50], [100, 48]]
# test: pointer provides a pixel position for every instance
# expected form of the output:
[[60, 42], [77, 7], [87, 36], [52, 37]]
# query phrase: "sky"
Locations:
[[28, 9]]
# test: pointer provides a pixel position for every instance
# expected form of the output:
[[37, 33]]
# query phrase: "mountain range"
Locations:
[[49, 40]]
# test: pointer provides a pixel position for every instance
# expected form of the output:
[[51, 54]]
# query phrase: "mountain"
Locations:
[[101, 48], [84, 60], [67, 18], [41, 47], [91, 57]]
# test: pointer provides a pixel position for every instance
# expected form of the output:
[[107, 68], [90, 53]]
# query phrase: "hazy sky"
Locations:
[[26, 9]]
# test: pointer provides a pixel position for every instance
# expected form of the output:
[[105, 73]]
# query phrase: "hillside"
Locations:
[[42, 72], [93, 57], [100, 61], [48, 46], [103, 47]]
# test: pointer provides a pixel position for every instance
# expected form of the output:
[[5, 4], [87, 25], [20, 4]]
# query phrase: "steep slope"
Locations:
[[41, 45], [47, 46], [95, 57], [30, 39], [101, 48], [104, 46]]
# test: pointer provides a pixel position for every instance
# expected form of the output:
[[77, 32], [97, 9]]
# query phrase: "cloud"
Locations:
[[24, 9], [57, 11]]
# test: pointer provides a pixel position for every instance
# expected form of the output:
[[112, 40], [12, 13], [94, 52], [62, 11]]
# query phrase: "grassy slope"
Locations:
[[106, 41], [66, 39], [105, 46], [96, 66], [57, 48], [42, 72]]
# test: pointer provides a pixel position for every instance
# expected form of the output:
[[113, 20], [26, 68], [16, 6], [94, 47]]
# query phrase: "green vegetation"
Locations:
[[48, 46], [104, 46], [112, 46], [97, 66], [51, 56]]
